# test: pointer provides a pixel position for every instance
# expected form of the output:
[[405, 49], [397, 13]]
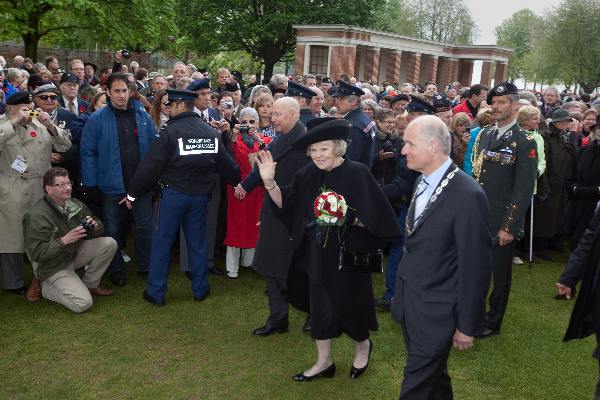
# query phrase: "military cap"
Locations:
[[180, 95], [560, 115], [45, 87], [419, 105], [399, 97], [328, 128], [24, 97], [198, 84], [345, 89], [501, 90], [69, 77], [231, 87], [297, 90], [441, 103]]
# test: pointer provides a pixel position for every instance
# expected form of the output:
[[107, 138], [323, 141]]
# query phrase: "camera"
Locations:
[[244, 129], [125, 53], [88, 226], [227, 105], [388, 146], [32, 113]]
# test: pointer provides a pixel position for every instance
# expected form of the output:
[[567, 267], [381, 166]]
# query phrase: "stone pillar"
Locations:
[[430, 68], [336, 63], [372, 56], [447, 71], [351, 68], [501, 70], [413, 67], [299, 59], [465, 72], [486, 73], [392, 73]]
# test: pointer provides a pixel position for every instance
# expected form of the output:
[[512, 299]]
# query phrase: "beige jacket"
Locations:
[[19, 192]]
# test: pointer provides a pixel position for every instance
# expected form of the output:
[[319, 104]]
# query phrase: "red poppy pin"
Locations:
[[81, 109], [532, 153], [135, 132], [33, 134]]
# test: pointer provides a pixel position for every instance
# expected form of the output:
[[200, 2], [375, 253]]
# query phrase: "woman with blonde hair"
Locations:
[[256, 92], [263, 105], [160, 110], [483, 118], [460, 135]]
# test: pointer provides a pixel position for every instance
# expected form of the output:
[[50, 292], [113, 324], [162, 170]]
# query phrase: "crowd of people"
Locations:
[[457, 183]]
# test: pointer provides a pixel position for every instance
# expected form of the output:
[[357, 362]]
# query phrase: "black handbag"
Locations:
[[352, 261]]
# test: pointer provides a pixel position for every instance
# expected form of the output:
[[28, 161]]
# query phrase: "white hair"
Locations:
[[433, 129]]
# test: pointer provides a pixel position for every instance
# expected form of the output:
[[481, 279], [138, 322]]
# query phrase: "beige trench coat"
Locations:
[[18, 192]]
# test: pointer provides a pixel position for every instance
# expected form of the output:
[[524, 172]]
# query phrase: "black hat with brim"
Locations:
[[180, 95], [322, 129], [297, 90], [399, 97], [94, 66], [345, 89], [561, 115], [199, 84], [419, 105]]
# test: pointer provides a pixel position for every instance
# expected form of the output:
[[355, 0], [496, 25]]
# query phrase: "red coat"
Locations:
[[243, 215], [462, 107]]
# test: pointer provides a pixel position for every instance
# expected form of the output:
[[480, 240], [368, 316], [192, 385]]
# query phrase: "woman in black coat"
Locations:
[[584, 266], [340, 301], [583, 186]]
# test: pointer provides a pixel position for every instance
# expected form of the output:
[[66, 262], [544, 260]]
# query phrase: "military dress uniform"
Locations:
[[505, 165], [21, 181], [185, 160]]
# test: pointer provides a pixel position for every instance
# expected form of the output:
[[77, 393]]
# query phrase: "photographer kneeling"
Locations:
[[54, 232]]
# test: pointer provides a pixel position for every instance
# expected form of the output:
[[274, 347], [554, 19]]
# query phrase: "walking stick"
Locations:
[[531, 234]]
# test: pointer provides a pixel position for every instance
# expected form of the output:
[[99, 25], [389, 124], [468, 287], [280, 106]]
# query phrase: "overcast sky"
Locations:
[[489, 14]]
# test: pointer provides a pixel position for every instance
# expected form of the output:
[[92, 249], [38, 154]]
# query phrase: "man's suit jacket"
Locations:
[[444, 274], [82, 105]]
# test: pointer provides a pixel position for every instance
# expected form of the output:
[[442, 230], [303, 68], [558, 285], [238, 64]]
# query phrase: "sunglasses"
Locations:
[[249, 122], [48, 96]]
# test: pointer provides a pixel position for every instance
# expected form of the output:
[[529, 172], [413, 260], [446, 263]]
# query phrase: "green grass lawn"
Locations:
[[124, 348]]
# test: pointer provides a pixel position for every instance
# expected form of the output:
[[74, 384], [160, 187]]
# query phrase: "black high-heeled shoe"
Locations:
[[328, 372], [356, 372]]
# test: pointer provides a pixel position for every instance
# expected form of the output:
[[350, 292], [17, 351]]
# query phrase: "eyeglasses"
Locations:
[[63, 185], [248, 122], [47, 96]]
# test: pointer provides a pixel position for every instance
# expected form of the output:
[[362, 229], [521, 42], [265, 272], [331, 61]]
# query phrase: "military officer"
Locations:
[[27, 141], [303, 96], [361, 140], [185, 160], [505, 165]]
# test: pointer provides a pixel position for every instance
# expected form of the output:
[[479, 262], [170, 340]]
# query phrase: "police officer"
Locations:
[[361, 140], [418, 107], [505, 165], [303, 96], [185, 160]]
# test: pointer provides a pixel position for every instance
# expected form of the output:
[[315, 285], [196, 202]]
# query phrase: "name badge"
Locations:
[[19, 165], [189, 146]]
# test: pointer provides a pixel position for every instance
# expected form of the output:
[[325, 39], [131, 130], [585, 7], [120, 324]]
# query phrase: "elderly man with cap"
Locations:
[[399, 103], [361, 140], [89, 73], [443, 108], [26, 145], [550, 206], [418, 107], [303, 96], [185, 161], [69, 98], [505, 165]]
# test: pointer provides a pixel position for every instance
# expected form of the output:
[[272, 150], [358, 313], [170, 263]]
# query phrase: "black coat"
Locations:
[[361, 138], [442, 280], [583, 266], [582, 186], [274, 247]]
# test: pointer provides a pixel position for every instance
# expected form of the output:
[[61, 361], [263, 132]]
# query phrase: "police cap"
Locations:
[[297, 90], [419, 105], [180, 95], [344, 89], [199, 84]]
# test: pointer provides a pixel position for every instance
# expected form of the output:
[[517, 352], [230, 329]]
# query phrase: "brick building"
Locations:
[[376, 56]]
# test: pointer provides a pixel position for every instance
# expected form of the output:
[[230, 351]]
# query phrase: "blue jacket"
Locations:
[[361, 140], [100, 152]]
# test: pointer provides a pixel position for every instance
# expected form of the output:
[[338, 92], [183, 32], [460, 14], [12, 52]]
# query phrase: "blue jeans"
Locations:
[[177, 210], [113, 215], [396, 252]]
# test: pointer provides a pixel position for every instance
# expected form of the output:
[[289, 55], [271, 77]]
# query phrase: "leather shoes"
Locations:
[[268, 329], [34, 291], [306, 327], [152, 301], [100, 292], [328, 372], [383, 304], [204, 296], [216, 271], [20, 291], [487, 332], [118, 278], [356, 372]]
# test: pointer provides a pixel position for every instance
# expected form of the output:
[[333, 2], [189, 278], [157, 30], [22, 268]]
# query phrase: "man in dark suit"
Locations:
[[505, 165], [444, 274], [69, 98]]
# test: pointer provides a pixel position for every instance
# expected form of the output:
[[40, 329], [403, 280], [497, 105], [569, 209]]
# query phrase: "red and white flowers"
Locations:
[[330, 208]]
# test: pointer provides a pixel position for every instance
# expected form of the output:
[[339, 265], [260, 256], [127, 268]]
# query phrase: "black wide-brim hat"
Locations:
[[321, 129]]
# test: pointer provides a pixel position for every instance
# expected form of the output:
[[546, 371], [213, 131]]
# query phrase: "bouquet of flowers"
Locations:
[[330, 209]]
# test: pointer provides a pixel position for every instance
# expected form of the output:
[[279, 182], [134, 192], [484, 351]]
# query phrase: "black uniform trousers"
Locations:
[[502, 279], [426, 373], [278, 303]]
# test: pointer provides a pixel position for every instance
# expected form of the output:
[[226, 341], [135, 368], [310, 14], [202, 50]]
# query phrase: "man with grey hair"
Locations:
[[278, 81], [505, 165], [551, 99], [443, 277]]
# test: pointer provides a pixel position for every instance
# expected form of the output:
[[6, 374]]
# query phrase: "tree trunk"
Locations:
[[31, 40], [269, 65]]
